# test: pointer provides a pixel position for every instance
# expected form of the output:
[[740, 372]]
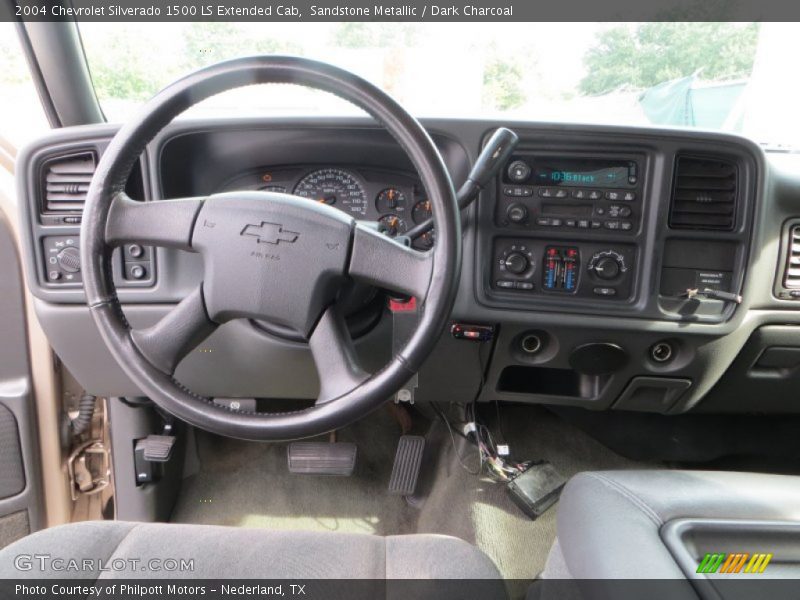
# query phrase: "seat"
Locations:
[[660, 524], [232, 552]]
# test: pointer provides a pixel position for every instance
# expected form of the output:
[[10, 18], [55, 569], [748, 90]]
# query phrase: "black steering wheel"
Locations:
[[268, 256]]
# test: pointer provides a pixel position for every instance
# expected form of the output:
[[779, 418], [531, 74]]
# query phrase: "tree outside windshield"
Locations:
[[724, 76]]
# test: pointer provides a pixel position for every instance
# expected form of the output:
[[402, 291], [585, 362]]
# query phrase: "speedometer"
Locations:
[[335, 187]]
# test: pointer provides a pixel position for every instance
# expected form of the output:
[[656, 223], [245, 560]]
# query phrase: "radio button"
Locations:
[[579, 194], [517, 191], [545, 192], [613, 196], [611, 224], [629, 196], [595, 195], [570, 222], [605, 291], [626, 226], [518, 171], [555, 222], [599, 211], [560, 194], [517, 213], [543, 221], [596, 224], [583, 223]]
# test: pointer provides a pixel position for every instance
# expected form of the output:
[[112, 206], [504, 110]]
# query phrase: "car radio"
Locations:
[[546, 191]]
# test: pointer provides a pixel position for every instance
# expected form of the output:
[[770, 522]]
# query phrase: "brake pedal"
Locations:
[[407, 463], [322, 458]]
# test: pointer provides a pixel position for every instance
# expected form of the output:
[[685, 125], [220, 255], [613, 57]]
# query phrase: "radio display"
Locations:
[[584, 172]]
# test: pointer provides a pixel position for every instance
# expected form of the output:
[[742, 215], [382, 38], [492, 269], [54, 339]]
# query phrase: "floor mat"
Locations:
[[248, 485]]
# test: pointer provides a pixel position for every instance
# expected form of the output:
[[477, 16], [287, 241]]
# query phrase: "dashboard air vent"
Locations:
[[66, 180], [791, 276], [704, 194]]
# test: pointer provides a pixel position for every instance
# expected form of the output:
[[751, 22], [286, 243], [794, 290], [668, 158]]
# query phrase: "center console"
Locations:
[[567, 222]]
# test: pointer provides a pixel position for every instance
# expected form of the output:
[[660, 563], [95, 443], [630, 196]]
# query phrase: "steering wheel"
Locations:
[[268, 256]]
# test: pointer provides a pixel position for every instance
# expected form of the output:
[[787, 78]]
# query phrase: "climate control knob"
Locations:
[[69, 259], [517, 213], [607, 265], [607, 268], [516, 263]]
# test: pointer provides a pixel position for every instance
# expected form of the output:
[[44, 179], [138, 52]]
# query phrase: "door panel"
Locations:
[[20, 495]]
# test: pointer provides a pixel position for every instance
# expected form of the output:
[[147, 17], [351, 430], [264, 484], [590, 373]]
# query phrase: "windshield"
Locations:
[[722, 76]]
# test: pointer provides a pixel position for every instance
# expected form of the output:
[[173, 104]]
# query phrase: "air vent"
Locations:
[[704, 194], [65, 181], [791, 276]]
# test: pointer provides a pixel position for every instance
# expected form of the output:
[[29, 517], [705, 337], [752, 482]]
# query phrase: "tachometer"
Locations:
[[335, 187]]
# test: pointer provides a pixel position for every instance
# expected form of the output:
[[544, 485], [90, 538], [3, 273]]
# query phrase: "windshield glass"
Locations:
[[723, 76]]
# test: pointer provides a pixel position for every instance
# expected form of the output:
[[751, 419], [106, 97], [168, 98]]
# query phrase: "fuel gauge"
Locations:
[[391, 200]]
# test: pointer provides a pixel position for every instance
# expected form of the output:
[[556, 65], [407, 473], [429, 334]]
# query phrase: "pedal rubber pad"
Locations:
[[407, 463], [322, 458], [158, 448]]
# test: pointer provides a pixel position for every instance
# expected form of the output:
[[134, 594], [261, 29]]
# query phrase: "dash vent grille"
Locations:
[[66, 180], [791, 276], [704, 194]]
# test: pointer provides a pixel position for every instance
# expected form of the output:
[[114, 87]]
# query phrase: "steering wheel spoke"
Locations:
[[179, 332], [335, 356], [167, 223], [386, 263]]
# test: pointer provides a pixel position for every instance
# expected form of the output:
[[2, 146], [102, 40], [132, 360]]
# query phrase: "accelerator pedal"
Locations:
[[407, 463], [322, 458]]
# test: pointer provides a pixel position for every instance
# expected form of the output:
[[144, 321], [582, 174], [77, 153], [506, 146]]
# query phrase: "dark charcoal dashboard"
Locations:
[[621, 268]]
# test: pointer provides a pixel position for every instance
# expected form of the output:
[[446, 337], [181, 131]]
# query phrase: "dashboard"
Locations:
[[616, 268]]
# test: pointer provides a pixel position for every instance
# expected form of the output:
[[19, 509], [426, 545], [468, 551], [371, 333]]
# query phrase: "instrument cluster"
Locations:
[[396, 201]]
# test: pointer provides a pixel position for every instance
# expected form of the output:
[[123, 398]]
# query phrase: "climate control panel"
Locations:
[[578, 269]]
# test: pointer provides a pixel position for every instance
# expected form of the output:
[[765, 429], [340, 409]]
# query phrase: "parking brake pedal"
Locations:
[[321, 458], [407, 463]]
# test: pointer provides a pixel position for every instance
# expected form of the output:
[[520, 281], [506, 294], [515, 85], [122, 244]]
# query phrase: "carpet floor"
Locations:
[[248, 485]]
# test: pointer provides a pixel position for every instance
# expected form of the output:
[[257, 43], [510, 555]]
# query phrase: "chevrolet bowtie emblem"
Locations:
[[270, 233]]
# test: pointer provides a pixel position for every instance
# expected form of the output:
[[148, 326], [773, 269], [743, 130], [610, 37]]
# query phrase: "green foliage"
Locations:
[[374, 35], [123, 68], [651, 53], [502, 84]]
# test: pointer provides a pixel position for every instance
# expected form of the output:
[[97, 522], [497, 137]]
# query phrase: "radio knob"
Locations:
[[516, 263], [69, 259], [517, 213], [518, 171], [607, 267]]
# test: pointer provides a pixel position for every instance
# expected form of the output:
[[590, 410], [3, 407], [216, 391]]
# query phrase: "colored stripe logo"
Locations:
[[734, 562]]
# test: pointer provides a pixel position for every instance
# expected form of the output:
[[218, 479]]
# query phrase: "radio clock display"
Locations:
[[584, 173]]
